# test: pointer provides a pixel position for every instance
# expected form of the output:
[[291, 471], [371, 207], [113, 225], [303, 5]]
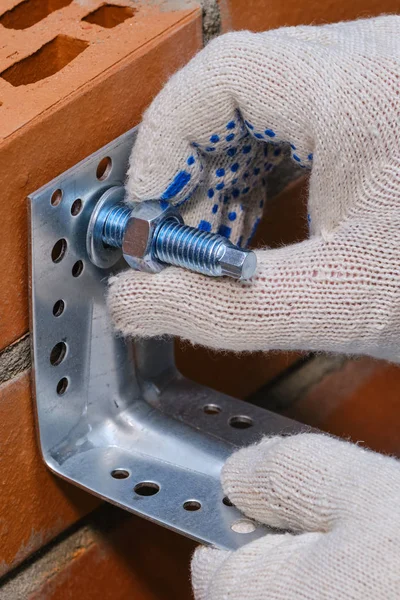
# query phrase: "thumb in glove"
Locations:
[[340, 504]]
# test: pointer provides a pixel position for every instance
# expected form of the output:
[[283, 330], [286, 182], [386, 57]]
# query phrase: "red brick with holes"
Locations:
[[73, 76]]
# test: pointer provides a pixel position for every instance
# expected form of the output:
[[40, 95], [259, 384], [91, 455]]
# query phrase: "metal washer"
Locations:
[[103, 256]]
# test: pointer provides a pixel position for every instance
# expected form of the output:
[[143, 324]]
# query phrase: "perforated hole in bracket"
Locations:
[[56, 197], [120, 474], [147, 488], [241, 422], [226, 501], [58, 308], [76, 207], [62, 386], [59, 250], [58, 353], [243, 526], [95, 400], [212, 409], [104, 168], [77, 269], [192, 505]]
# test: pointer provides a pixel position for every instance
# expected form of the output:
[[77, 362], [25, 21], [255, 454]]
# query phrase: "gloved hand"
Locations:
[[332, 93], [343, 503]]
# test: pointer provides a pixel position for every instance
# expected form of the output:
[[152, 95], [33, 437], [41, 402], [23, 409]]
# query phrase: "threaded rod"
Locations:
[[184, 246], [115, 225]]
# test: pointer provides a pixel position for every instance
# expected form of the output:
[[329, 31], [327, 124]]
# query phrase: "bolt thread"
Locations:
[[185, 246], [115, 224]]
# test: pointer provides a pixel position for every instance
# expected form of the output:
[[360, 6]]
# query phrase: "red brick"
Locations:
[[256, 15], [34, 504], [49, 125], [132, 558], [45, 128], [360, 401]]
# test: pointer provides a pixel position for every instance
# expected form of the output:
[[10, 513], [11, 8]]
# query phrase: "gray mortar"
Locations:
[[31, 576], [211, 20], [15, 359], [283, 174], [293, 384], [54, 558], [210, 10]]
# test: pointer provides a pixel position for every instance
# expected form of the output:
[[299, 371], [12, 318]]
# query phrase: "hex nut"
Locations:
[[238, 263], [137, 245]]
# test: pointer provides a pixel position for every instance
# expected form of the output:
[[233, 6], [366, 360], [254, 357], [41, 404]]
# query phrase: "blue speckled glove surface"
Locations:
[[332, 94], [198, 148]]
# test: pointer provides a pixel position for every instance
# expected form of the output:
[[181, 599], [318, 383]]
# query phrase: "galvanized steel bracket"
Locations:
[[115, 417]]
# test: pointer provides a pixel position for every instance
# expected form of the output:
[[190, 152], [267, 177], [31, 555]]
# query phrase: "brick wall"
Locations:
[[71, 80], [74, 74], [260, 15]]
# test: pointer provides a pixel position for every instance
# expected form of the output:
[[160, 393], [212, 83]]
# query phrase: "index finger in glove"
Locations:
[[241, 84], [310, 482]]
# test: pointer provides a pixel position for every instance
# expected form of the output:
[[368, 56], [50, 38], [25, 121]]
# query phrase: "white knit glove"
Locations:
[[332, 92], [342, 501]]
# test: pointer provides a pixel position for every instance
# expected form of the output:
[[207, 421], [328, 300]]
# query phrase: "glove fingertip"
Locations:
[[240, 471], [170, 171], [205, 563], [126, 292]]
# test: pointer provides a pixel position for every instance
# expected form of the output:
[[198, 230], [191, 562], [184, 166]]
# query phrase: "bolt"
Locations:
[[177, 244], [115, 225]]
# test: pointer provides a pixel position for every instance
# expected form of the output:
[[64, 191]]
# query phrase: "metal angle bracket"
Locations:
[[115, 417]]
